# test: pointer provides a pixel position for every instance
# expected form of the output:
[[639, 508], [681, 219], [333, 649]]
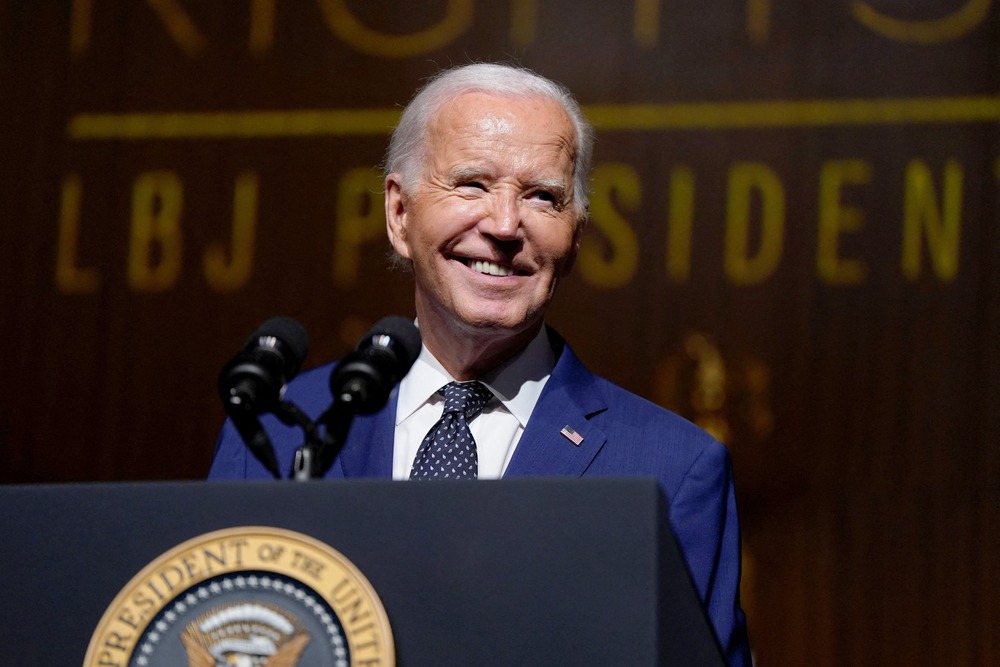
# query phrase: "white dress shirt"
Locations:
[[516, 386]]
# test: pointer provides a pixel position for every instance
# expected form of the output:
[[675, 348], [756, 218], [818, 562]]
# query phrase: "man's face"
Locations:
[[492, 224]]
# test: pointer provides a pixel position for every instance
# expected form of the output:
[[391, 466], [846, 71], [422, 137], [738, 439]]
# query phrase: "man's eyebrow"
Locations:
[[555, 186], [547, 184], [464, 173]]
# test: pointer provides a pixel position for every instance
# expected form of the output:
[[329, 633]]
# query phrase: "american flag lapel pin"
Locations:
[[572, 435]]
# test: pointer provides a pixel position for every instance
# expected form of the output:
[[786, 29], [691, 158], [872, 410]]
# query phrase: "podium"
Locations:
[[512, 572]]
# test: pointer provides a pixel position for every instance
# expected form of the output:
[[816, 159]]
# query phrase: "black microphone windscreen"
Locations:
[[289, 332], [402, 331]]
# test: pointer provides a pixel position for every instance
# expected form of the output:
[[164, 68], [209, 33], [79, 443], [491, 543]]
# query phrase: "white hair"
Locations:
[[406, 153]]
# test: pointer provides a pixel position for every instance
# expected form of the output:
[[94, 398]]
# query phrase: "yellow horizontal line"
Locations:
[[806, 113], [232, 124], [609, 117]]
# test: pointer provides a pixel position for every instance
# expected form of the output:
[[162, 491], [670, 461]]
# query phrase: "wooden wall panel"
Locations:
[[793, 243]]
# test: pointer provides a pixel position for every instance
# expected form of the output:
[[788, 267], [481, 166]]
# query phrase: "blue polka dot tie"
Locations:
[[448, 451]]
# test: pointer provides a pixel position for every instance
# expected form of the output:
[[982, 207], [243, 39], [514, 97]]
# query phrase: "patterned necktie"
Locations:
[[449, 450]]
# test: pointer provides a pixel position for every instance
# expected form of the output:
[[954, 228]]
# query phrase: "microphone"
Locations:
[[360, 385], [363, 379], [250, 383]]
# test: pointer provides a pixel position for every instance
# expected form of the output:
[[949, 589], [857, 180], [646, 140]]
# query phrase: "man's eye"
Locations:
[[472, 184], [545, 196]]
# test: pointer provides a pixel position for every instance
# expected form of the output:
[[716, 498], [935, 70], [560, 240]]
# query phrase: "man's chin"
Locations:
[[500, 325]]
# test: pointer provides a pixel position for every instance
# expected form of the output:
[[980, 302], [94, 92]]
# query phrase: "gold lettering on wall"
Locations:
[[924, 218], [79, 26], [229, 276], [646, 16], [179, 26], [746, 179], [523, 22], [155, 249], [928, 222], [835, 219], [613, 261], [680, 221], [646, 23], [346, 26], [262, 15], [71, 279], [175, 20], [758, 20], [360, 220], [944, 29]]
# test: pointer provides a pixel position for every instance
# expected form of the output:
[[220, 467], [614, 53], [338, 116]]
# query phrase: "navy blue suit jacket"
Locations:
[[623, 435]]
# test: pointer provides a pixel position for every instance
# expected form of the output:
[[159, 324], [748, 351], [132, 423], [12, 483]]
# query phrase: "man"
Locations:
[[486, 198]]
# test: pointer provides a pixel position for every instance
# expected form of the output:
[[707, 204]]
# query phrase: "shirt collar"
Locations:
[[517, 383]]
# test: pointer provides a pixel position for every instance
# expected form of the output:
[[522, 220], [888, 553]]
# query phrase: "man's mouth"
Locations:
[[487, 268]]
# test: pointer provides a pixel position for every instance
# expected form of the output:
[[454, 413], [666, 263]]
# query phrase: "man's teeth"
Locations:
[[490, 268]]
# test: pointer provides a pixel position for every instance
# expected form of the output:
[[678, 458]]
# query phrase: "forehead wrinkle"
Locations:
[[491, 142]]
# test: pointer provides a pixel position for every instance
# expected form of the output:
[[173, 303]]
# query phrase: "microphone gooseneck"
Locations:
[[360, 384], [250, 383]]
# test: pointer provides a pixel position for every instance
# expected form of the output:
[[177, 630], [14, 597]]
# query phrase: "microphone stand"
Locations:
[[304, 466], [315, 457], [257, 441], [254, 437], [361, 384]]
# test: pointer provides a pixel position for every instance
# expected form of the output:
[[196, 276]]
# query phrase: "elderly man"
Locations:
[[486, 197]]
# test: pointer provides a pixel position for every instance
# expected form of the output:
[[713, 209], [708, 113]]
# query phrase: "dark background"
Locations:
[[860, 402]]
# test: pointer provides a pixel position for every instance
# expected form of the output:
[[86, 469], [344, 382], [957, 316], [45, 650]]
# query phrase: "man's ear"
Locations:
[[395, 215]]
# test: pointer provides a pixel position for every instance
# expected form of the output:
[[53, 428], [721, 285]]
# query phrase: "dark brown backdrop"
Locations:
[[794, 243]]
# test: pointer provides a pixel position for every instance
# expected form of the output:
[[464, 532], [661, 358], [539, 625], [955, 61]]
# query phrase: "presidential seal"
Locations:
[[251, 597]]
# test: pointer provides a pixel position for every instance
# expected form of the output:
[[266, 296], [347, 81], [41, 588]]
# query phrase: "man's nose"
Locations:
[[504, 219]]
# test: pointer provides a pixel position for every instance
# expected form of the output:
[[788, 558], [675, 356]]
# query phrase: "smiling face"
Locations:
[[492, 224]]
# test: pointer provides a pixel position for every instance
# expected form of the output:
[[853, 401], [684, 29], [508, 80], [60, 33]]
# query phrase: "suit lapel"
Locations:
[[570, 399]]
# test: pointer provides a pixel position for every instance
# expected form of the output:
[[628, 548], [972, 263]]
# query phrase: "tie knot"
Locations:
[[468, 398]]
